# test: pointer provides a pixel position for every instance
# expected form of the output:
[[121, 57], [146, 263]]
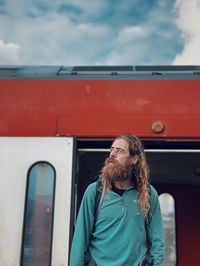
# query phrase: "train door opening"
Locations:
[[175, 173]]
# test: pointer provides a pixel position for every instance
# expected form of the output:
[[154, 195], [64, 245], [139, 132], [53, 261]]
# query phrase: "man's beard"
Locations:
[[113, 171]]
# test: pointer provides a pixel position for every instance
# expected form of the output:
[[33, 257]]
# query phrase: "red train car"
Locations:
[[56, 127]]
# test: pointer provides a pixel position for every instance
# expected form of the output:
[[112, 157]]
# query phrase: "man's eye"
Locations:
[[120, 151]]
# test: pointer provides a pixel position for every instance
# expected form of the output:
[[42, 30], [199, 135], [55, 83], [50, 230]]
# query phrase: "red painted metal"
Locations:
[[92, 108]]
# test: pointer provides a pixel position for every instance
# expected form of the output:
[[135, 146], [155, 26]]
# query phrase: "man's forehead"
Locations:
[[120, 143]]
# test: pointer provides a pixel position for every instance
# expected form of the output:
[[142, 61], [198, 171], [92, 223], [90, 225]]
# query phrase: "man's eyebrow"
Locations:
[[120, 149], [117, 148]]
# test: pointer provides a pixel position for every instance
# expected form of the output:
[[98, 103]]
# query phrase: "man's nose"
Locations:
[[113, 154]]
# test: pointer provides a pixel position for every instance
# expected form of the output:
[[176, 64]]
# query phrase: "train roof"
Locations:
[[99, 72]]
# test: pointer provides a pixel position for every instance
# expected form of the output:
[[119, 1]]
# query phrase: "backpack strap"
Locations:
[[99, 195]]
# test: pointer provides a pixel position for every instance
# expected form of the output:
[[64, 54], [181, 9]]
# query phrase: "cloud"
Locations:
[[54, 38], [57, 40], [76, 32], [188, 22], [149, 42], [81, 10], [132, 33], [9, 53]]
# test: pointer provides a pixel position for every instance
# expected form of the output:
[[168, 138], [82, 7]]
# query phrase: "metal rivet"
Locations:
[[158, 127]]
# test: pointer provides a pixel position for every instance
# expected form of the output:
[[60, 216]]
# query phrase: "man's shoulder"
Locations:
[[153, 192], [90, 192], [91, 187]]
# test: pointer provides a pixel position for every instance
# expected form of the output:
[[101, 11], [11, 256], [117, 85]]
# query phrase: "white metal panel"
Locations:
[[16, 157]]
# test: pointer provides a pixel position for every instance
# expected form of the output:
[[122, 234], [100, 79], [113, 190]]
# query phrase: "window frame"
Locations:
[[25, 209]]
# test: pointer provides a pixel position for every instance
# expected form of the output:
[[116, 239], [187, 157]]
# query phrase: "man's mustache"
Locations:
[[111, 160]]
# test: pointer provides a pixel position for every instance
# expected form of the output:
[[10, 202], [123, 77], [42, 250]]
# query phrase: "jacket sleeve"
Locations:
[[156, 234], [84, 227]]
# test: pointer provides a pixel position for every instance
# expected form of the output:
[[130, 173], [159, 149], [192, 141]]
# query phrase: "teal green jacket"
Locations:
[[118, 237]]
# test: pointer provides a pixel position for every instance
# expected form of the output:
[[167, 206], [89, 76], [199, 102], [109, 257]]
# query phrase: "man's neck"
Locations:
[[123, 184]]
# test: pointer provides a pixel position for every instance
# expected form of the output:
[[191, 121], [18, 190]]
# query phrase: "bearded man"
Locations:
[[117, 236]]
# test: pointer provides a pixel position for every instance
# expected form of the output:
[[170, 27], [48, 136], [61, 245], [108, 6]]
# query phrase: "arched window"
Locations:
[[167, 205], [38, 218]]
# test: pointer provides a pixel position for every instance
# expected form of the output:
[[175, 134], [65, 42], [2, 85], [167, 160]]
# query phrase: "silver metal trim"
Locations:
[[148, 150]]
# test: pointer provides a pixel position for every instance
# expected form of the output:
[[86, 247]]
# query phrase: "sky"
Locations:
[[99, 32]]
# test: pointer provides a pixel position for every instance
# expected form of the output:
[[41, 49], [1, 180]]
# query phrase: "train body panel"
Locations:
[[28, 206], [56, 128], [92, 105]]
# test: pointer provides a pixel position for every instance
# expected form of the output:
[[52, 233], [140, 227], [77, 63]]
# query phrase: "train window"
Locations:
[[168, 214], [38, 218]]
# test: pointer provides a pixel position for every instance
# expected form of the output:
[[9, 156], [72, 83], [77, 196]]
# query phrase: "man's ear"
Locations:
[[134, 159]]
